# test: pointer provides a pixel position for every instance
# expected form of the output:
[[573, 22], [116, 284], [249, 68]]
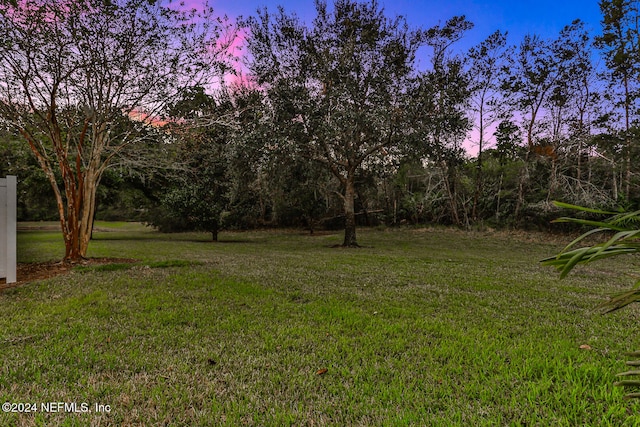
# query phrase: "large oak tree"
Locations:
[[337, 88]]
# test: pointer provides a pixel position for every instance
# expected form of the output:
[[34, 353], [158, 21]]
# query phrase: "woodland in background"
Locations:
[[553, 119]]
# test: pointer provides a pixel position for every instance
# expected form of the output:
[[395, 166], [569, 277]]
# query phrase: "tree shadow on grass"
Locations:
[[222, 242], [165, 238]]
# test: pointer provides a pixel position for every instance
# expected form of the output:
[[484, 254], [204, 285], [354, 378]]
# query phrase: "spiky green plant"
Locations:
[[624, 229]]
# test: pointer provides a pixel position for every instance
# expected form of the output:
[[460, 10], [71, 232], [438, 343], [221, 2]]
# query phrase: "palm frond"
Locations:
[[625, 240], [627, 220], [583, 208], [606, 226], [584, 236], [630, 383], [566, 261], [620, 300]]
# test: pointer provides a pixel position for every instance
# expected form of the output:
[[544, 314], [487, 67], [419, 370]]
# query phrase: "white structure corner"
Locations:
[[8, 213]]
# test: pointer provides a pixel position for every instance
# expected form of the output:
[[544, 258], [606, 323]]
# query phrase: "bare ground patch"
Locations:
[[29, 272]]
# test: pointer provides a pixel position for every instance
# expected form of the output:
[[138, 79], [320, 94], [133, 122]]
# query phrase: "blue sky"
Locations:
[[542, 17]]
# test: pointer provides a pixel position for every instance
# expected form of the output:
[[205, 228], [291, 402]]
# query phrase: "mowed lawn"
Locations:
[[420, 327]]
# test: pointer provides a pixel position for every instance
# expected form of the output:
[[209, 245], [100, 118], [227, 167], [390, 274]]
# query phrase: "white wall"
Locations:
[[8, 228]]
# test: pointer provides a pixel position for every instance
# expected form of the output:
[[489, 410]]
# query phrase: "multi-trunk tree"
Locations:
[[83, 81]]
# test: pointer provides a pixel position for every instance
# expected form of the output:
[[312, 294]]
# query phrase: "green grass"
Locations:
[[419, 327]]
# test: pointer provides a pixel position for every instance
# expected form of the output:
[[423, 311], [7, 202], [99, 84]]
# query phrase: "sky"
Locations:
[[543, 17]]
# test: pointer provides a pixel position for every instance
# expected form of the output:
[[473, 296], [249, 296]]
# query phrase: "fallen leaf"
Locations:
[[585, 347], [322, 371]]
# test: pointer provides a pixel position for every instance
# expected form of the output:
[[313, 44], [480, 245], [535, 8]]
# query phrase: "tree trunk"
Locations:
[[91, 180], [310, 224], [349, 213], [579, 165], [70, 231], [70, 209], [451, 193], [479, 185], [77, 221], [627, 140], [76, 209], [499, 196], [214, 235], [523, 178], [553, 181], [478, 192], [614, 182]]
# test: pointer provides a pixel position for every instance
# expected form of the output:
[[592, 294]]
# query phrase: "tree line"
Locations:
[[336, 125]]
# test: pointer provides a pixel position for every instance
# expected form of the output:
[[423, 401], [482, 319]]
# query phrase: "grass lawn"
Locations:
[[419, 327]]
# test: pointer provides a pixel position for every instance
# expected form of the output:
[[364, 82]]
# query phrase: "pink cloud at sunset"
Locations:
[[230, 42], [139, 116]]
